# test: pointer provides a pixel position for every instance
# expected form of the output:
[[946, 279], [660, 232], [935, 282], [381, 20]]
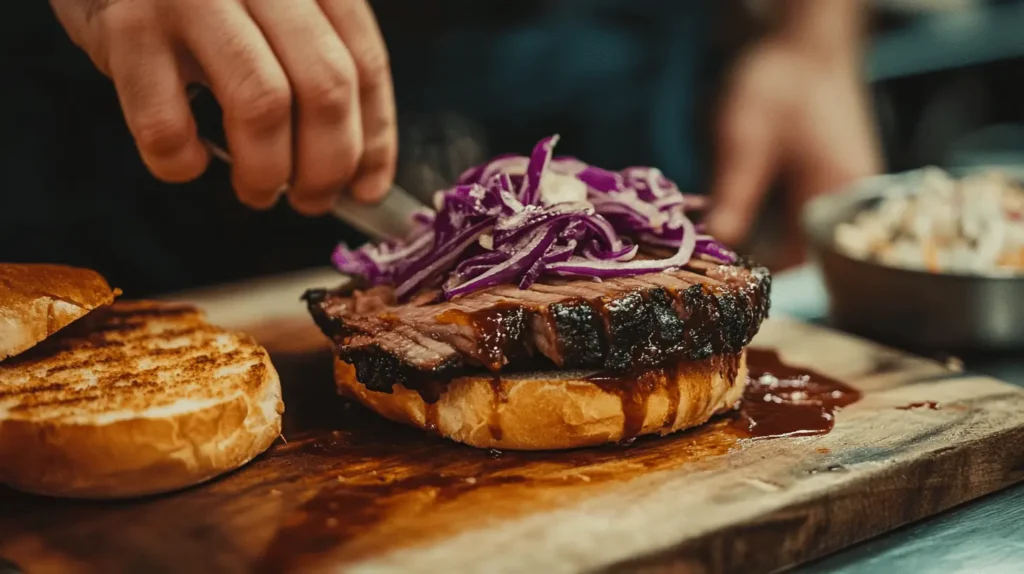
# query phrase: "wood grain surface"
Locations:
[[346, 491]]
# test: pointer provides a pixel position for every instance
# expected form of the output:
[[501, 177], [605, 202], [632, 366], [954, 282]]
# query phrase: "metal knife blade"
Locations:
[[390, 218]]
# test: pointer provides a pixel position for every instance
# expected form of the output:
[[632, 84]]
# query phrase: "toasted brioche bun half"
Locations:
[[561, 409], [137, 398], [37, 300]]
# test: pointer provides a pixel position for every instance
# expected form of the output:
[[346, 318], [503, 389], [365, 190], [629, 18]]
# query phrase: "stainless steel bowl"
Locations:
[[911, 309]]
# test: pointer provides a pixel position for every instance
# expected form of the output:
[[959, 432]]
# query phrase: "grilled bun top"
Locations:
[[37, 300]]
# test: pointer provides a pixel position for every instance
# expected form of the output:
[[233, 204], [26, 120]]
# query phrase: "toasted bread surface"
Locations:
[[37, 300], [552, 410], [137, 398]]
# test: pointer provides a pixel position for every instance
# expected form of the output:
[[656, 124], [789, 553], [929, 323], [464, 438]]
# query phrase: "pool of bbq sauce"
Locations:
[[391, 486], [781, 400]]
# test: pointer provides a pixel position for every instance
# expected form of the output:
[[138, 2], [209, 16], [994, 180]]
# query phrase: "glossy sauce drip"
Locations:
[[674, 395], [430, 390], [498, 398], [930, 405], [634, 392], [602, 323], [431, 416], [730, 366], [491, 327], [495, 339], [780, 400]]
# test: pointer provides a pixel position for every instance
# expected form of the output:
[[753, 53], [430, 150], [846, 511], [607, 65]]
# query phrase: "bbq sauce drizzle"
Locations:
[[778, 400], [495, 343], [635, 390]]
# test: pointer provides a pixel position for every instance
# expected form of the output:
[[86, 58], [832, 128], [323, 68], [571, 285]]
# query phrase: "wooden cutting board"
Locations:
[[345, 491]]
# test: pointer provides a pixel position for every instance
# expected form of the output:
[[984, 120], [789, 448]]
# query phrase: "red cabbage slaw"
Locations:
[[516, 219]]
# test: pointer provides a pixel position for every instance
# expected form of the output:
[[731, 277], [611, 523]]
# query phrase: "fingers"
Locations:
[[143, 66], [253, 90], [747, 154], [357, 27], [325, 85], [257, 56]]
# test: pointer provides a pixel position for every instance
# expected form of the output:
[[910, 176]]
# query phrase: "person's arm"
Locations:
[[795, 110], [830, 29], [305, 87]]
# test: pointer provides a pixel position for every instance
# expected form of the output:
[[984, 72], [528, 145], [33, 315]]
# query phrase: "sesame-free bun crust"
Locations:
[[558, 409], [37, 300], [137, 398]]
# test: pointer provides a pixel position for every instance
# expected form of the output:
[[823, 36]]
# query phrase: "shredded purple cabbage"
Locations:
[[516, 219]]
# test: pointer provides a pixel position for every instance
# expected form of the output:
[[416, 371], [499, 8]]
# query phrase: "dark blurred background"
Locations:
[[947, 78]]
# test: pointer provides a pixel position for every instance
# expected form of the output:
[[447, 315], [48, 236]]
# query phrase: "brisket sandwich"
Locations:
[[546, 304]]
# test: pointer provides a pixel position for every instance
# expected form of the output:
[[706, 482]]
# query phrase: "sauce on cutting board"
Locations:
[[930, 405], [781, 400], [397, 485]]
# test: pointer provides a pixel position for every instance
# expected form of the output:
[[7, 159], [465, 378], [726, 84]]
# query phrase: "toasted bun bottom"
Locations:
[[139, 456], [561, 409]]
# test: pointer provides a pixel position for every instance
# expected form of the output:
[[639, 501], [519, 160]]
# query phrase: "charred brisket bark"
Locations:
[[617, 325]]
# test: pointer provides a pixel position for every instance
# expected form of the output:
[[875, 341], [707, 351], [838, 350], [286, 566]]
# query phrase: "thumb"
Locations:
[[747, 152]]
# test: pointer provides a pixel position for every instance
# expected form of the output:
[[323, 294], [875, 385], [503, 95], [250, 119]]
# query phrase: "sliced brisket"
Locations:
[[617, 324]]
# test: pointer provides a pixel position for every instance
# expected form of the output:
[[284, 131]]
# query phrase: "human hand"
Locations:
[[305, 86], [792, 113]]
